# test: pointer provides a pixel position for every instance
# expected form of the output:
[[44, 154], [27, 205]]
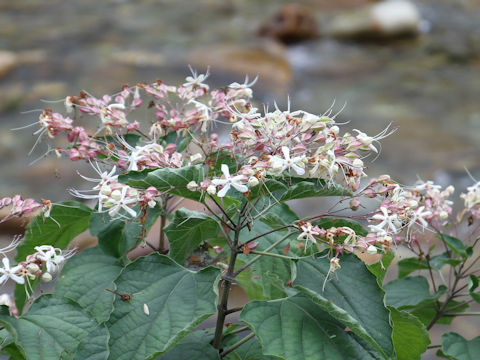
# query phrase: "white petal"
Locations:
[[132, 212], [240, 187], [146, 310], [3, 278], [224, 190], [298, 169], [225, 170], [286, 152], [219, 181], [6, 263], [17, 279]]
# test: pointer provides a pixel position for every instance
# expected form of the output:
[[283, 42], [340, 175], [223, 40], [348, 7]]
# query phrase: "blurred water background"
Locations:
[[418, 68]]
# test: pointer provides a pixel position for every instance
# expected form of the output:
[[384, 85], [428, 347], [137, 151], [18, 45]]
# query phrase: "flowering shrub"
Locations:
[[311, 294]]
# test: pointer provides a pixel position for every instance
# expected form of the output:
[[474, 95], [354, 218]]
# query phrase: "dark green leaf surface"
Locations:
[[193, 346], [295, 328], [410, 337], [256, 280], [460, 348], [52, 327], [351, 296], [177, 299], [117, 237], [251, 350], [407, 292], [73, 218], [454, 244], [169, 180], [84, 279], [187, 231]]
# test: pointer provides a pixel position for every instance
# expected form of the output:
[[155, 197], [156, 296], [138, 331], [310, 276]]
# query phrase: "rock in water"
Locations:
[[387, 19], [292, 23], [8, 60]]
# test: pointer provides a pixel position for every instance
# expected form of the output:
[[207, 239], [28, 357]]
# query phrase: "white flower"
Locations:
[[229, 181], [390, 222], [106, 178], [52, 257], [211, 189], [121, 202], [192, 186], [10, 273], [308, 234], [289, 163], [196, 80]]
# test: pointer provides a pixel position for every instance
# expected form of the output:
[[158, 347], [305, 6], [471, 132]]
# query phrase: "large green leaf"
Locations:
[[407, 292], [409, 265], [461, 349], [117, 237], [84, 279], [295, 328], [257, 279], [251, 350], [95, 346], [67, 220], [177, 300], [52, 328], [410, 337], [194, 346], [454, 244], [278, 216], [169, 180], [351, 295], [187, 231]]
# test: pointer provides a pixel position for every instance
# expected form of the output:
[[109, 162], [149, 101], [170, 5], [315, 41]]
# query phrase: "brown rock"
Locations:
[[383, 20], [292, 23], [8, 61]]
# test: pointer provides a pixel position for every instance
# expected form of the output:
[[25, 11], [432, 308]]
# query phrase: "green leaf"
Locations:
[[278, 216], [350, 296], [169, 180], [460, 348], [379, 269], [177, 299], [95, 346], [407, 292], [409, 265], [454, 244], [51, 328], [194, 346], [187, 231], [84, 279], [67, 220], [410, 337], [72, 218], [256, 280], [117, 237], [295, 328], [251, 350]]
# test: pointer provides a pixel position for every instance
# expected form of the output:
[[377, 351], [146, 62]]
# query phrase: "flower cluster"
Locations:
[[273, 144], [19, 206], [44, 264], [472, 200]]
